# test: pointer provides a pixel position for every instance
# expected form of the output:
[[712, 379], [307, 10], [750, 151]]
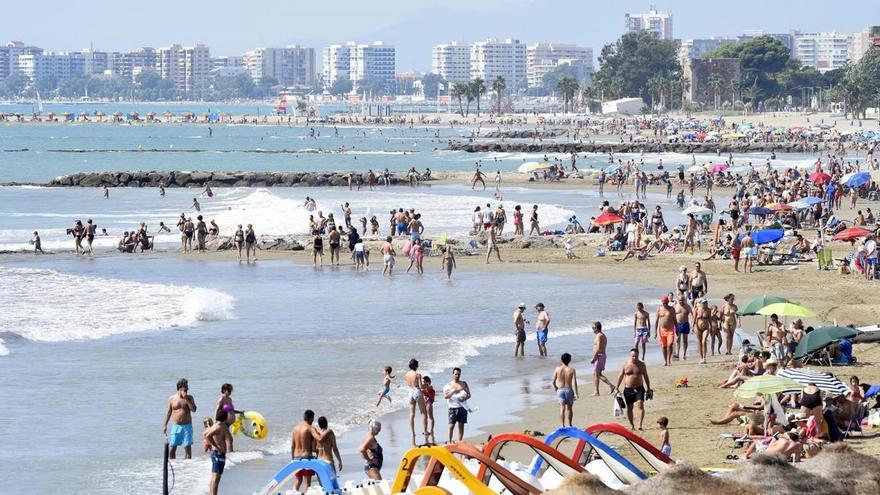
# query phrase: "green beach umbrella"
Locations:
[[756, 304], [821, 338], [765, 385], [786, 309]]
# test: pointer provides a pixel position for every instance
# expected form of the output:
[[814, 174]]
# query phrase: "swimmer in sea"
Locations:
[[448, 262], [386, 386], [224, 403], [196, 206], [413, 380]]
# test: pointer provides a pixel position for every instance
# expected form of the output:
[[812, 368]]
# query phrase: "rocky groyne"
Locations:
[[636, 147], [179, 178], [526, 133]]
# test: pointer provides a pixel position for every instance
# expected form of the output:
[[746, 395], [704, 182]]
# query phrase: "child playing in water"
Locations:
[[429, 393], [209, 422], [663, 423], [386, 386]]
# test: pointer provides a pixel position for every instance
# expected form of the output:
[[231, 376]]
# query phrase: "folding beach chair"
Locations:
[[826, 259], [439, 244]]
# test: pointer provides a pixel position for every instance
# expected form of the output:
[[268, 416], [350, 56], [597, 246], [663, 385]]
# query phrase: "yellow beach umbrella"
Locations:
[[765, 385], [786, 309]]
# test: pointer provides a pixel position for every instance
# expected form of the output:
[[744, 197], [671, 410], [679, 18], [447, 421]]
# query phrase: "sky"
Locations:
[[231, 27]]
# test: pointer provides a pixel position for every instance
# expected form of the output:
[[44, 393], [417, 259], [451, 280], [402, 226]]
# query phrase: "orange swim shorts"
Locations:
[[667, 336]]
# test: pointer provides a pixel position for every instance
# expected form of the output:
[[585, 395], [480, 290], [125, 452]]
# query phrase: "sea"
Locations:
[[91, 347]]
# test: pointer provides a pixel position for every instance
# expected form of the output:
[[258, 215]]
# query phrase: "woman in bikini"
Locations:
[[702, 325], [238, 238]]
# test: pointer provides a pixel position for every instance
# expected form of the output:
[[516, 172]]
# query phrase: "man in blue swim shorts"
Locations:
[[565, 383], [181, 407], [217, 437], [542, 326], [682, 325]]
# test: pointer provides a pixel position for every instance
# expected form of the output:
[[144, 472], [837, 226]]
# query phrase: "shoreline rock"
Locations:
[[596, 147], [183, 178]]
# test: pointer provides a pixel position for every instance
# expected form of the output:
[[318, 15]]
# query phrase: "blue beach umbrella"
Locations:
[[765, 236], [760, 211], [812, 200], [612, 168], [858, 179]]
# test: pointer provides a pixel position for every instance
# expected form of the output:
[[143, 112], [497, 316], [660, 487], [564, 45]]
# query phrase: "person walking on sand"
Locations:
[[371, 451], [448, 263], [542, 327], [535, 226], [664, 327], [181, 407], [456, 393], [699, 283], [413, 380], [641, 327], [634, 376], [388, 254], [683, 314], [600, 342], [480, 177], [492, 245], [106, 192], [386, 386], [566, 387], [217, 437], [665, 446], [730, 321], [519, 326], [250, 243], [38, 245], [238, 241]]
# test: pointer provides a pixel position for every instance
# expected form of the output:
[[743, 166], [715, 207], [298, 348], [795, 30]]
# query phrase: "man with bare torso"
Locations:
[[217, 436], [634, 375], [542, 327], [181, 407], [641, 327], [519, 324], [413, 380], [565, 384], [600, 342], [327, 447], [699, 283], [388, 256], [776, 338], [682, 325], [690, 233], [304, 442], [664, 327]]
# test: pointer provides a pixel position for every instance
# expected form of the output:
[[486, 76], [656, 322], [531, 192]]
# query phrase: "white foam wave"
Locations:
[[3, 350], [48, 306]]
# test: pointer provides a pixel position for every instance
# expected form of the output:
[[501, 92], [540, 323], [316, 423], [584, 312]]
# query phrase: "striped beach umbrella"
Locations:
[[608, 219], [824, 381]]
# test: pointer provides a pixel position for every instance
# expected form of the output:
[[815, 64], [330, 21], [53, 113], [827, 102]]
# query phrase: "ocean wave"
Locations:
[[47, 306]]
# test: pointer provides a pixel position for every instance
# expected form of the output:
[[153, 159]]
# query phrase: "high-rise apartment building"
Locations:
[[542, 58], [452, 61], [654, 21], [130, 65], [824, 51], [58, 66], [696, 48], [863, 41], [337, 63], [98, 62], [9, 54], [188, 68], [375, 60], [493, 57], [290, 66]]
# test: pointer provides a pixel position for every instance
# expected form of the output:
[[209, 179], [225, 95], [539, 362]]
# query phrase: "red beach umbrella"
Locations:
[[820, 177], [608, 219], [851, 233], [779, 207]]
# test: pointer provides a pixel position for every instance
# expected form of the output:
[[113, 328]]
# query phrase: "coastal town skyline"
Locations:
[[399, 24]]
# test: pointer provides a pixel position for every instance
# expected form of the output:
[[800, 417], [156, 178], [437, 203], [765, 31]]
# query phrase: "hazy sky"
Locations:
[[234, 26]]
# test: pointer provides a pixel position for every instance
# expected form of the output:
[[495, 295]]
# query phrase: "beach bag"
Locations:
[[618, 405]]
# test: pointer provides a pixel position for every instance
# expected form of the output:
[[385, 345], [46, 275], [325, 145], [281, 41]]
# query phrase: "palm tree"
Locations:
[[478, 88], [498, 85], [753, 93], [459, 89], [568, 87], [715, 82], [734, 91], [655, 89]]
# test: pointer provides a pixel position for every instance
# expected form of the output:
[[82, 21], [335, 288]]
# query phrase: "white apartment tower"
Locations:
[[654, 21], [291, 66], [374, 60], [187, 67], [452, 61], [492, 58], [337, 63], [542, 58], [824, 51]]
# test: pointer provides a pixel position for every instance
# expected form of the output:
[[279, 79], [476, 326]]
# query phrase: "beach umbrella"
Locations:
[[766, 385], [718, 167], [608, 219], [696, 210], [760, 211], [799, 205], [779, 207], [786, 309], [857, 179], [765, 236], [824, 381], [812, 200], [610, 169], [821, 338], [532, 166], [696, 169], [756, 304], [851, 233], [820, 177]]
